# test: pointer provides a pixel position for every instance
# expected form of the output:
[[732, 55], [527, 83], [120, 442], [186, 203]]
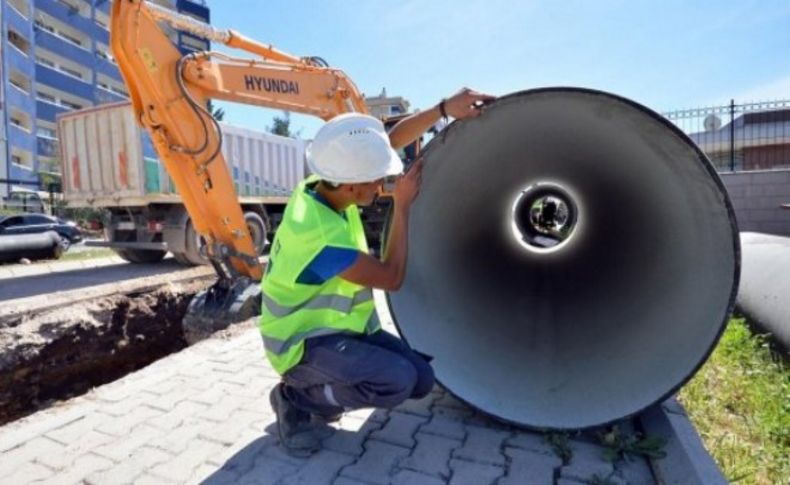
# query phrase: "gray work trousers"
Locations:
[[351, 371]]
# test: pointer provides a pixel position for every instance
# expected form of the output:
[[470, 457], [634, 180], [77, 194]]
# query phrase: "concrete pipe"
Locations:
[[573, 259], [764, 294]]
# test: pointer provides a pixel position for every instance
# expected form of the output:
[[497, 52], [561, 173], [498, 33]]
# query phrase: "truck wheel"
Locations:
[[193, 243], [257, 230], [182, 259], [140, 255]]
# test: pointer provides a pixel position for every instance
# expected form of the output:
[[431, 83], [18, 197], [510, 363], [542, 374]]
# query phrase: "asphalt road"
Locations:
[[67, 276]]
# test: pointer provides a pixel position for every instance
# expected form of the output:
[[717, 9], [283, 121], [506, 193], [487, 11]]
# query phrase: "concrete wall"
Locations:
[[757, 198]]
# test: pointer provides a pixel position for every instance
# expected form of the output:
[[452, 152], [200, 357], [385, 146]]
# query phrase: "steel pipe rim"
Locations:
[[699, 158]]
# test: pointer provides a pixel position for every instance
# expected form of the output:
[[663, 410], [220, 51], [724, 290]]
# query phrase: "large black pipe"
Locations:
[[573, 259]]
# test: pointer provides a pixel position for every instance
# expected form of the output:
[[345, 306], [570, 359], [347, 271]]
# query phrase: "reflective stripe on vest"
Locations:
[[280, 347], [320, 302]]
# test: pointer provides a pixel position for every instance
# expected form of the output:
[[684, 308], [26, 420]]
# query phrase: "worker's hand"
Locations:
[[407, 187], [466, 103]]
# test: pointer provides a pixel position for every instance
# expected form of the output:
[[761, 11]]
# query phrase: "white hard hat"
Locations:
[[352, 148]]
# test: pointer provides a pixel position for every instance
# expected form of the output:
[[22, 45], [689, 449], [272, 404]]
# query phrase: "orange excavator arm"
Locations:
[[169, 94]]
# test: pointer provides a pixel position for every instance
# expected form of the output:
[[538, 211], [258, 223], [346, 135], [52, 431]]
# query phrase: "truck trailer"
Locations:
[[109, 162]]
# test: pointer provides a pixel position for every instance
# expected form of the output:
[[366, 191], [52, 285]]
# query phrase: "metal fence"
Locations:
[[740, 137]]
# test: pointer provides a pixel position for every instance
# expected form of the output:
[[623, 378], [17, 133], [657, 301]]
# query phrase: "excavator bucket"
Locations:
[[219, 306]]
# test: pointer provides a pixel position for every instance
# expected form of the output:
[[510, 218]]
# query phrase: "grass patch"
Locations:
[[87, 254], [740, 404]]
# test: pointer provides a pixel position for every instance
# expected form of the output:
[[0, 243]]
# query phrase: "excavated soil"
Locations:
[[64, 353]]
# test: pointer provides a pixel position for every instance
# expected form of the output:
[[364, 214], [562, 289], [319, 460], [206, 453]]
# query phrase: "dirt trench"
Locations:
[[64, 353]]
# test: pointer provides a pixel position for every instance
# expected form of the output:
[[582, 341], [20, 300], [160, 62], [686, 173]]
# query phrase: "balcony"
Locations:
[[49, 111], [54, 43], [65, 14], [104, 96], [47, 147], [18, 98], [17, 21], [64, 82], [104, 66], [21, 138]]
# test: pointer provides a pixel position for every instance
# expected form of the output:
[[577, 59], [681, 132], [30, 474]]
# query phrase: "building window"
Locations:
[[46, 97], [53, 61], [43, 26], [17, 40], [21, 158], [21, 6], [20, 120], [19, 81], [46, 132], [70, 105], [71, 72]]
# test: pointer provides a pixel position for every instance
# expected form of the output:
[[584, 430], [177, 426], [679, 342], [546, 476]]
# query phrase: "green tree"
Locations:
[[281, 125], [217, 113]]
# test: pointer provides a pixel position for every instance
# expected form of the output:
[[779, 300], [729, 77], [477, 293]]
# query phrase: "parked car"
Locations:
[[38, 223], [24, 200], [43, 245]]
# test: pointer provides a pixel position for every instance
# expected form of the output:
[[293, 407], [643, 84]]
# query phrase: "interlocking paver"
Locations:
[[147, 479], [267, 471], [534, 442], [75, 430], [26, 453], [170, 401], [79, 470], [183, 466], [27, 473], [587, 470], [133, 466], [209, 475], [76, 449], [173, 418], [350, 436], [444, 426], [122, 425], [635, 471], [399, 429], [320, 468], [420, 407], [176, 441], [229, 431], [528, 467], [187, 419], [431, 456], [376, 463], [483, 445], [469, 473], [121, 450], [410, 477]]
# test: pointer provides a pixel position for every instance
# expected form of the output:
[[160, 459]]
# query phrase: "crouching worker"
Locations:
[[319, 323]]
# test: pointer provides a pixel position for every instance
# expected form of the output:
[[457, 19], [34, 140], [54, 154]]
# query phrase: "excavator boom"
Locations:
[[169, 93]]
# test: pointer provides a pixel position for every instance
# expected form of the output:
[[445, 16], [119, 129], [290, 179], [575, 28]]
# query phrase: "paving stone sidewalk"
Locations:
[[202, 416]]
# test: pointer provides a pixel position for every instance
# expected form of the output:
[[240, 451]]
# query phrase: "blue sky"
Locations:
[[665, 54]]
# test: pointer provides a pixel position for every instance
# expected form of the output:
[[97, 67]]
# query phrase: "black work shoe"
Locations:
[[293, 425], [320, 423], [324, 419]]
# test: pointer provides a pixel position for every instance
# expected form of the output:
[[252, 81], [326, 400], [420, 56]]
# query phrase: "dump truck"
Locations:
[[108, 162]]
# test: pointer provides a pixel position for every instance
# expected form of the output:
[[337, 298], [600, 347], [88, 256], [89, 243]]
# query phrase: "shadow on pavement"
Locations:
[[264, 461]]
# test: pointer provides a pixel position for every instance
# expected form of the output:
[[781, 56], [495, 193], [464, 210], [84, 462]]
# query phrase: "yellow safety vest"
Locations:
[[291, 311]]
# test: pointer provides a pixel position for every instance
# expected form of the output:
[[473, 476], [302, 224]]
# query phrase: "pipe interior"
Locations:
[[615, 319]]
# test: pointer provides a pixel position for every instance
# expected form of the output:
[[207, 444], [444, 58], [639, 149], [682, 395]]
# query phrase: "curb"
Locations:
[[687, 461]]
